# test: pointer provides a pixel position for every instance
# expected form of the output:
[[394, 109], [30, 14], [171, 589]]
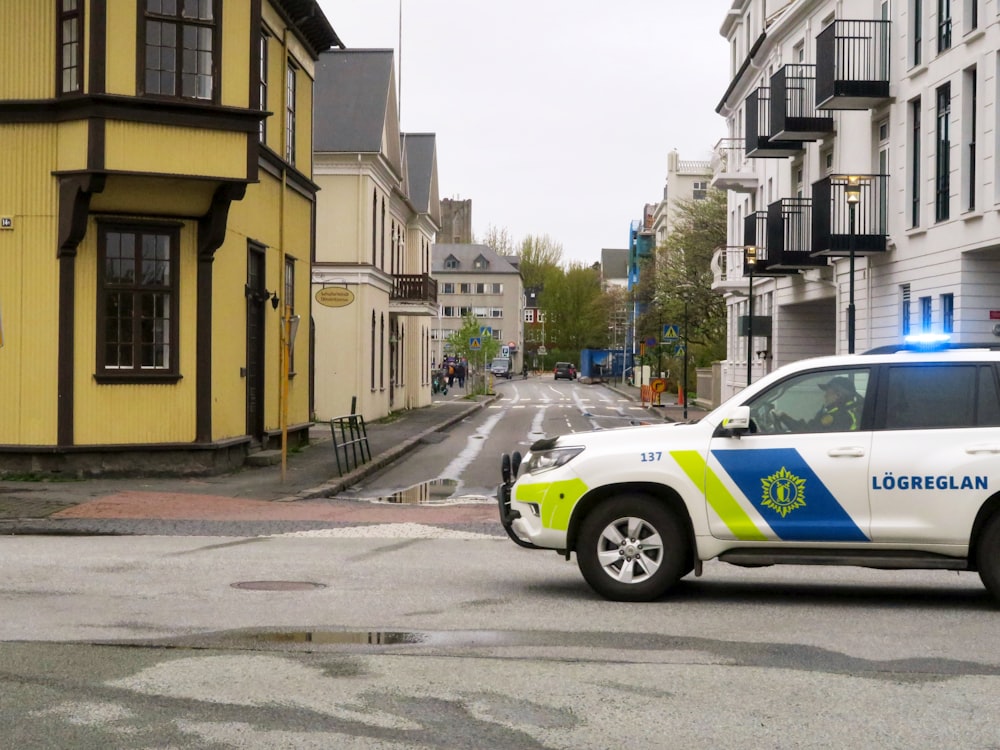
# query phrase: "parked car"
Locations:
[[565, 370], [502, 367], [886, 459]]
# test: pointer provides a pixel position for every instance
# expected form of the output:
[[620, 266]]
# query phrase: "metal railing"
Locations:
[[852, 59], [350, 440], [418, 287]]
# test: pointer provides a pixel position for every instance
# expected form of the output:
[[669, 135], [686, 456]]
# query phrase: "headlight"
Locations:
[[544, 460]]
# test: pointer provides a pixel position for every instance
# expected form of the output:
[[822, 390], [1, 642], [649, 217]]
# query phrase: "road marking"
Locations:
[[390, 531]]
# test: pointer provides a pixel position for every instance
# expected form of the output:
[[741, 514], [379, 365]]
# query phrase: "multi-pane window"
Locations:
[[448, 287], [915, 163], [916, 31], [700, 190], [947, 313], [262, 83], [70, 46], [925, 314], [451, 262], [290, 78], [970, 105], [944, 25], [180, 48], [942, 179], [529, 315], [137, 300]]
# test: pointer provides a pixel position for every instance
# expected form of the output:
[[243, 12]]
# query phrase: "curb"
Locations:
[[335, 486]]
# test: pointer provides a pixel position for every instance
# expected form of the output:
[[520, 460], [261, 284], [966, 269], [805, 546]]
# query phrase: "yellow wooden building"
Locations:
[[158, 215]]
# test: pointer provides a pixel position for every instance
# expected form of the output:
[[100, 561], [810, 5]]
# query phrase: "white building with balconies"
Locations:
[[864, 192]]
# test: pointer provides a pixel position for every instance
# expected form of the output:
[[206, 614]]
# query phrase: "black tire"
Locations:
[[607, 558], [988, 556]]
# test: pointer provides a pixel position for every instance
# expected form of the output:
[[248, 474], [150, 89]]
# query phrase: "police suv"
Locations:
[[888, 459]]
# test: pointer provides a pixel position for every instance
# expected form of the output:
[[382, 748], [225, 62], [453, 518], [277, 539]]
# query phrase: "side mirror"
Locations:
[[515, 463], [505, 468], [738, 420]]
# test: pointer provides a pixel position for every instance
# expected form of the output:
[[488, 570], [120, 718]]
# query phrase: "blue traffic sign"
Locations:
[[475, 343], [485, 331], [670, 331]]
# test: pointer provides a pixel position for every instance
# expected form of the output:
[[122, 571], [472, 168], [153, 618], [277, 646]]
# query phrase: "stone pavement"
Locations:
[[258, 494]]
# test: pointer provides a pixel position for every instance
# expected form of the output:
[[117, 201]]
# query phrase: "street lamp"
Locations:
[[852, 193], [686, 391], [751, 261]]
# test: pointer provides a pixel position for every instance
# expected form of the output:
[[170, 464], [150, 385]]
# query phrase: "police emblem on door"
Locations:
[[783, 492]]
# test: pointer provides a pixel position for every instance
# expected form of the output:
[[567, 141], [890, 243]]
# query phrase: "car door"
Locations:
[[800, 479], [936, 456]]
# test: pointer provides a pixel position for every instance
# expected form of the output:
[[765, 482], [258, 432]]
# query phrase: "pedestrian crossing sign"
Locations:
[[475, 343], [670, 331]]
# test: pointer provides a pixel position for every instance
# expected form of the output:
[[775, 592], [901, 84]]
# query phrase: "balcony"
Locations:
[[755, 233], [727, 269], [852, 65], [759, 144], [789, 235], [793, 106], [832, 233], [730, 168], [414, 294]]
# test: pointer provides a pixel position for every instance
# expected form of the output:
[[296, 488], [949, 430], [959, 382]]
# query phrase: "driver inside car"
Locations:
[[840, 412]]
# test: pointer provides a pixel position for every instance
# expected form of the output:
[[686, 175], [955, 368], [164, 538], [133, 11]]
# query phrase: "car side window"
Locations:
[[988, 401], [820, 401], [921, 397]]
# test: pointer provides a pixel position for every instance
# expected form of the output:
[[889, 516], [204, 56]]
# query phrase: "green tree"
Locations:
[[682, 281], [574, 316], [458, 342], [540, 260]]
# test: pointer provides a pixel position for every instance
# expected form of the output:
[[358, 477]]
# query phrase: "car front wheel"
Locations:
[[988, 556], [632, 549]]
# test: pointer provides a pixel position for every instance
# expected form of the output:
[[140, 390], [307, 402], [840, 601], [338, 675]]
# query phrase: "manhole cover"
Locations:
[[278, 585]]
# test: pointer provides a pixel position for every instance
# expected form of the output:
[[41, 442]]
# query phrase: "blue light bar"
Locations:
[[927, 340]]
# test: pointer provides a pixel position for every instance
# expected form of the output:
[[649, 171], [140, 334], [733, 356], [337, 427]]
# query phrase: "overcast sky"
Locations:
[[553, 116]]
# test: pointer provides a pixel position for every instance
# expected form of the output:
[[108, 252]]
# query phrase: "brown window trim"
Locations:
[[140, 59], [61, 17], [170, 373]]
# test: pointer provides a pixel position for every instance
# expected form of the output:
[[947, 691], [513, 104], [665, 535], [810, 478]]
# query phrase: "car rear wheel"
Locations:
[[632, 549], [988, 556]]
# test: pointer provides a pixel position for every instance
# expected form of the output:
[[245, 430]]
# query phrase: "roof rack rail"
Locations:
[[918, 347]]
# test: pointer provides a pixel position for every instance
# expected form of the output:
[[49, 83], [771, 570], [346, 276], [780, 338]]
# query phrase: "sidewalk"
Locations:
[[311, 473]]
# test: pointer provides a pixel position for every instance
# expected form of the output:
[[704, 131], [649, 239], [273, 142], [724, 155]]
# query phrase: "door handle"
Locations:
[[849, 452], [983, 448]]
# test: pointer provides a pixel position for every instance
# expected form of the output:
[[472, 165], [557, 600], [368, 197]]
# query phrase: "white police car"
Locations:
[[889, 459]]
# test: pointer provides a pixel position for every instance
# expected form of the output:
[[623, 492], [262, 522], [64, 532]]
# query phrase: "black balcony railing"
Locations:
[[755, 234], [832, 233], [789, 234], [758, 129], [417, 287], [852, 64], [794, 116]]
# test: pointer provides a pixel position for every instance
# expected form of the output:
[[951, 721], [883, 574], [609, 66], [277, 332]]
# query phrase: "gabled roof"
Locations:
[[355, 103], [419, 150], [466, 255]]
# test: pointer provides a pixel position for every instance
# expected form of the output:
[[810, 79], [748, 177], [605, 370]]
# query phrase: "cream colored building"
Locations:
[[476, 280], [378, 213]]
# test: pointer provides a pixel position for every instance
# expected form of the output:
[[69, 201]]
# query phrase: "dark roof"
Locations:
[[351, 100], [419, 150], [312, 24], [466, 256]]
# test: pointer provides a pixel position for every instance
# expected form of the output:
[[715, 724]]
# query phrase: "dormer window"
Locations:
[[451, 262], [480, 263], [179, 37]]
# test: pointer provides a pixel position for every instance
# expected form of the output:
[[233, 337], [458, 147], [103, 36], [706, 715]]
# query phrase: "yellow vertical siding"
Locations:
[[28, 52], [133, 413], [179, 150], [121, 48], [28, 285], [236, 55]]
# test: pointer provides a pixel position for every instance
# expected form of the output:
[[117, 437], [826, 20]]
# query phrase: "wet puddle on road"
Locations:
[[433, 492]]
